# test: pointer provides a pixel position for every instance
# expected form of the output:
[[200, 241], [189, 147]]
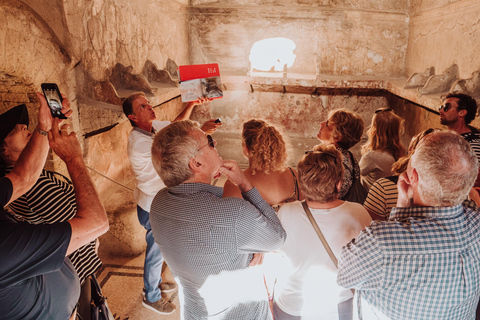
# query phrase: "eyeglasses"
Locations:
[[382, 110], [212, 143]]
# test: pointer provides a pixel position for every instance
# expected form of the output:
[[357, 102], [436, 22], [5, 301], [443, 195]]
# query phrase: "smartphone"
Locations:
[[54, 99], [218, 120]]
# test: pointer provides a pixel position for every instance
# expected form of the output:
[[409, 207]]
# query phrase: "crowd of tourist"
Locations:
[[393, 236]]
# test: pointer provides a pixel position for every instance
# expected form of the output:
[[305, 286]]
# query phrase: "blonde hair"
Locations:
[[319, 173], [347, 127], [265, 144], [384, 134]]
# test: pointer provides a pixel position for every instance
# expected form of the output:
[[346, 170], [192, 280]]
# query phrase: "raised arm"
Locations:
[[231, 190], [208, 127], [258, 227], [91, 221], [29, 165]]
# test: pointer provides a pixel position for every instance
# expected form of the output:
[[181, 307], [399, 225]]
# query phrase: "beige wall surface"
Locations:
[[444, 32], [400, 5], [368, 38], [78, 42]]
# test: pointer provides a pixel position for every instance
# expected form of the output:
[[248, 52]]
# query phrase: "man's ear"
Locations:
[[132, 117], [194, 165], [414, 177], [462, 113]]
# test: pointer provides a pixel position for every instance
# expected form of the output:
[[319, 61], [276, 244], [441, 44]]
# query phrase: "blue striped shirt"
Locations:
[[424, 263]]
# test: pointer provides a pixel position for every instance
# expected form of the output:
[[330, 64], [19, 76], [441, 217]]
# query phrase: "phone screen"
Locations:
[[53, 99]]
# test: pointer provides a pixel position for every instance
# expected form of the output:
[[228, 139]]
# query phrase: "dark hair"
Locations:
[[465, 102], [347, 127], [128, 105]]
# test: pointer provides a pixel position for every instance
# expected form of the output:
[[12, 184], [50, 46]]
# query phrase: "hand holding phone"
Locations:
[[54, 99]]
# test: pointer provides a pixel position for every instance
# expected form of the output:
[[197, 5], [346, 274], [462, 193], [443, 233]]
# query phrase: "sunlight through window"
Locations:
[[272, 54]]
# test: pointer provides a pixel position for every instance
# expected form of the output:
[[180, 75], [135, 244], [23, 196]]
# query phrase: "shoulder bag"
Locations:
[[357, 192], [99, 306]]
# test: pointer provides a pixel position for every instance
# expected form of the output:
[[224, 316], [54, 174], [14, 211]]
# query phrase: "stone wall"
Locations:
[[444, 32], [298, 116], [331, 37], [76, 44]]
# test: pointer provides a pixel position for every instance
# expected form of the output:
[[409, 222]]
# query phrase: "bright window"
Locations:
[[272, 54]]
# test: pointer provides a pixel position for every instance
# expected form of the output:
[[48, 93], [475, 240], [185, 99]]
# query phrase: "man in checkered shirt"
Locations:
[[209, 241], [424, 262]]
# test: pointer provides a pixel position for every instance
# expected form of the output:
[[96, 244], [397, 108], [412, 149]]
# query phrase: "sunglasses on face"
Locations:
[[445, 107], [212, 143]]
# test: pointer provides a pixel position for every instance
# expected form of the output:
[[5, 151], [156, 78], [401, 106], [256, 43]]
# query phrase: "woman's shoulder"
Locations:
[[355, 212], [290, 210], [378, 154], [352, 208]]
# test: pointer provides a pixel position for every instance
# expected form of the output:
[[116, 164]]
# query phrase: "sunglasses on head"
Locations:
[[210, 143], [382, 110], [321, 152]]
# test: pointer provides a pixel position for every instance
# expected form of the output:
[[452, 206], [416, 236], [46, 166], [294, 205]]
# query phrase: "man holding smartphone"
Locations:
[[142, 117]]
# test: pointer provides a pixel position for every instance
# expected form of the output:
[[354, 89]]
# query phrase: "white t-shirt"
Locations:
[[140, 154], [307, 282]]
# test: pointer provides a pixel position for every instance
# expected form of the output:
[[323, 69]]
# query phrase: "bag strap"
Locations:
[[353, 167], [320, 235]]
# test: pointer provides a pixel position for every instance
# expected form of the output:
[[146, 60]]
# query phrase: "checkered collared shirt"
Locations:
[[424, 263], [208, 242]]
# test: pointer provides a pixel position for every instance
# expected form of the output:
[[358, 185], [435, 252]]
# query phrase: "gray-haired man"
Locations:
[[208, 241], [423, 262]]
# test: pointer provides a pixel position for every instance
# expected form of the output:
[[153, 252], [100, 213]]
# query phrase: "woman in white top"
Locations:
[[307, 285], [383, 147]]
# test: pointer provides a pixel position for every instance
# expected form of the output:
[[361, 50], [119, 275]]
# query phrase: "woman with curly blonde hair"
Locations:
[[264, 147], [383, 147]]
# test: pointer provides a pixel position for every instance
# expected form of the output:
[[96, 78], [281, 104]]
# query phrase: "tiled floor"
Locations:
[[121, 280]]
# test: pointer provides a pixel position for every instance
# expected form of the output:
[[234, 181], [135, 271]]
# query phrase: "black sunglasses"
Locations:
[[210, 143], [382, 110], [447, 106]]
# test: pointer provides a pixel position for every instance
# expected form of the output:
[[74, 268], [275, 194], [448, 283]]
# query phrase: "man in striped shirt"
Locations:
[[457, 112], [209, 241], [423, 263]]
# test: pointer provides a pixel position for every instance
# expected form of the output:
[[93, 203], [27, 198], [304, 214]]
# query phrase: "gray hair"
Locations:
[[447, 168], [172, 149]]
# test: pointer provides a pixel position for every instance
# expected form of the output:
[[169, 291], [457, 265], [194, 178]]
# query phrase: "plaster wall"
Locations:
[[74, 44], [331, 37], [297, 116], [443, 32]]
